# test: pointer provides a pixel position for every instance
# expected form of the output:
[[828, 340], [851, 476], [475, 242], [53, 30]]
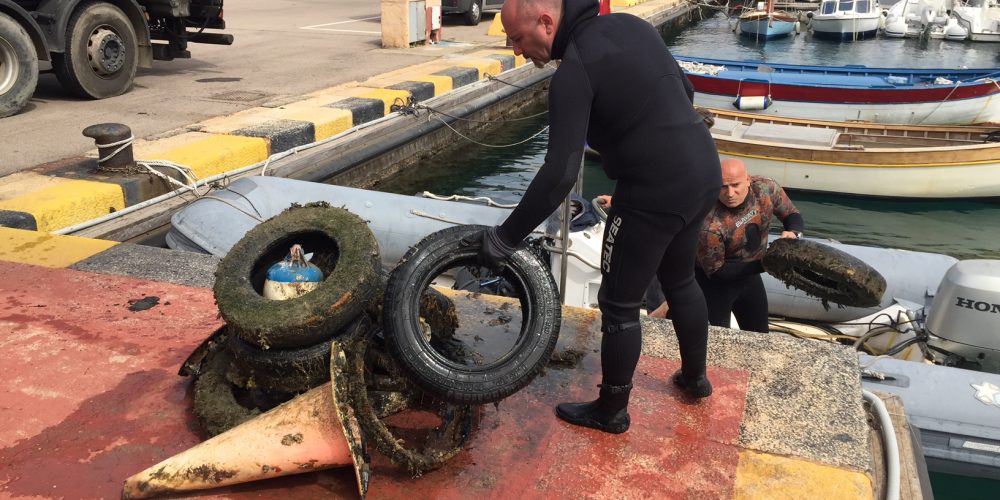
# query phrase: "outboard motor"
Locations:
[[965, 316]]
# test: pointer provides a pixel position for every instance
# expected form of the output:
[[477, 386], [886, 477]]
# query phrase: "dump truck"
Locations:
[[95, 46]]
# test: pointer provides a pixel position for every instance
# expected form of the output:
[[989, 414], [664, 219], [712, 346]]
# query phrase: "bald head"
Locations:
[[531, 26], [735, 182]]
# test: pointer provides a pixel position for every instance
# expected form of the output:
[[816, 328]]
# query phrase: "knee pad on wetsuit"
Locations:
[[612, 328]]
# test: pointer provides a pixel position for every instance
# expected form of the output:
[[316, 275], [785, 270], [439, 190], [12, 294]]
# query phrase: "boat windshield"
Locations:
[[828, 7], [846, 5], [864, 6]]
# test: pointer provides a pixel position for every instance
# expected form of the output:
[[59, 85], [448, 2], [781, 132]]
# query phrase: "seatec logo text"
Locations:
[[978, 305]]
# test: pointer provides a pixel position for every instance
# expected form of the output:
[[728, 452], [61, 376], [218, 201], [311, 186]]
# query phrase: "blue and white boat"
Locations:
[[765, 23], [848, 93], [846, 19]]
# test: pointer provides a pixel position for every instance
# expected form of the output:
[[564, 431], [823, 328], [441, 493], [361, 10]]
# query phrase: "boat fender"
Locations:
[[292, 276], [751, 102], [824, 272]]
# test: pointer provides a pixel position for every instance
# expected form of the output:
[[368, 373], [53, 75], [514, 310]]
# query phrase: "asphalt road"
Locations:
[[282, 48]]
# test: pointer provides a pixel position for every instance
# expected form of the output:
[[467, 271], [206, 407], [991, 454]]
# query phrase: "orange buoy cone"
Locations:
[[605, 7], [299, 436]]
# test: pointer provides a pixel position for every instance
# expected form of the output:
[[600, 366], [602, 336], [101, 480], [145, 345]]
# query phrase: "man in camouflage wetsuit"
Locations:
[[732, 244]]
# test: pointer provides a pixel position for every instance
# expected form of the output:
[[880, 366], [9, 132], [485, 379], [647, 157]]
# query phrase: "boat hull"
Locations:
[[844, 28], [766, 29], [881, 95], [882, 161]]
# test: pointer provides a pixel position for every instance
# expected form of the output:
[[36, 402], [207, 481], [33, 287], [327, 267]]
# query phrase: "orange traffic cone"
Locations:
[[605, 7], [302, 435]]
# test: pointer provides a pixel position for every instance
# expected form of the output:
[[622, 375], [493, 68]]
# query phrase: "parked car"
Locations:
[[471, 10]]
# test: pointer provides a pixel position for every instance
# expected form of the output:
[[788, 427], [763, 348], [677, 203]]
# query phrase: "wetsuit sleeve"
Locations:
[[737, 269], [711, 251], [570, 99], [784, 209]]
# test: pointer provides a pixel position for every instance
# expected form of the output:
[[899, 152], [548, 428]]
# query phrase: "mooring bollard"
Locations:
[[114, 146]]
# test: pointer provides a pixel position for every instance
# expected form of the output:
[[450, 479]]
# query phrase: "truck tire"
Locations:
[[101, 54], [18, 67], [432, 370], [474, 14]]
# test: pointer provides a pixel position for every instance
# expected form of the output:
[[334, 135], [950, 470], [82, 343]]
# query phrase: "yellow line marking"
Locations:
[[483, 66], [215, 154], [47, 250], [65, 202], [760, 475], [388, 96], [441, 83]]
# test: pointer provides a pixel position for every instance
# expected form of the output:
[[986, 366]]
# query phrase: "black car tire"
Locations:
[[474, 14], [345, 250], [113, 71], [434, 372], [824, 272]]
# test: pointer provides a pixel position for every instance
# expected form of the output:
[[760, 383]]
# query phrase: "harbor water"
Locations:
[[501, 165]]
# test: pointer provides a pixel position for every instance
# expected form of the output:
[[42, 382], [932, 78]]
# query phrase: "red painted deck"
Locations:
[[89, 395]]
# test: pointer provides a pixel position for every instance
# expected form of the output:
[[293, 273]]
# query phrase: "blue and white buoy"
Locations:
[[292, 277]]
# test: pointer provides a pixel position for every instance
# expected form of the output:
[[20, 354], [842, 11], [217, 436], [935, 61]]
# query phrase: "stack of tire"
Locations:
[[276, 349]]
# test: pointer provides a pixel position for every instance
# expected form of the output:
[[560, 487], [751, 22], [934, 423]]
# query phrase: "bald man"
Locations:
[[733, 242], [618, 89]]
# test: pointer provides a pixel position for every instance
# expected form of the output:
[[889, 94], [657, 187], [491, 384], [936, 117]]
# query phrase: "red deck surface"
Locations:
[[89, 395]]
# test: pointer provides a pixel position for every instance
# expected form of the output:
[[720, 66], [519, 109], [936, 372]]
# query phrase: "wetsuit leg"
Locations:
[[719, 296], [634, 245], [689, 312], [750, 307]]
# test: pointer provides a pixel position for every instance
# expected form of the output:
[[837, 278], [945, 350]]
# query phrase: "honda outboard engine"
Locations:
[[965, 316]]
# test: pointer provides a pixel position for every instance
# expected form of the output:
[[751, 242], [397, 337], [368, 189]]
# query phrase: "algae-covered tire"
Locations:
[[215, 404], [343, 248], [824, 272], [433, 371], [290, 370]]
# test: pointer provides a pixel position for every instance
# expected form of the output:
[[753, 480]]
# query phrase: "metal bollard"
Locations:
[[109, 138]]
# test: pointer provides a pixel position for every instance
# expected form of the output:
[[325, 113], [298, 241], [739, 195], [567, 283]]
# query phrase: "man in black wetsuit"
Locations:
[[733, 243], [618, 89]]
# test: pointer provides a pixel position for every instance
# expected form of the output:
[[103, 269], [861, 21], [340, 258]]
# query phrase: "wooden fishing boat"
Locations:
[[767, 23], [864, 159], [848, 93]]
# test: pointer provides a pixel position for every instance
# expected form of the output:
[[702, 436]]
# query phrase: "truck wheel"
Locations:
[[474, 14], [18, 67], [101, 52]]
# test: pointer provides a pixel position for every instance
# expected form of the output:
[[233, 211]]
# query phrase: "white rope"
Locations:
[[456, 197], [928, 115], [124, 144], [237, 207], [536, 134]]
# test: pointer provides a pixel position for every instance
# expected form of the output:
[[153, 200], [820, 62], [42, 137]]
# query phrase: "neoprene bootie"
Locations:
[[608, 413], [697, 388]]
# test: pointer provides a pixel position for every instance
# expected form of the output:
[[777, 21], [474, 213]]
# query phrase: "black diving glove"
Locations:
[[493, 251]]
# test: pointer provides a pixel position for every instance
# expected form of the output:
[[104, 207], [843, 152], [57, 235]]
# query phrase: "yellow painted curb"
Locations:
[[47, 250], [326, 121], [206, 154], [518, 60], [442, 84], [482, 65], [625, 3], [760, 475], [331, 95], [496, 27], [57, 202]]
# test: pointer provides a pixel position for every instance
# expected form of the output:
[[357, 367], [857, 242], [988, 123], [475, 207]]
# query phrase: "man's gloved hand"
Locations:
[[493, 251]]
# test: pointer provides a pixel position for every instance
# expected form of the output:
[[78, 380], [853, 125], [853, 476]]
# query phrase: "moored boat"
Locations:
[[846, 19], [766, 23], [981, 18], [877, 160], [848, 93]]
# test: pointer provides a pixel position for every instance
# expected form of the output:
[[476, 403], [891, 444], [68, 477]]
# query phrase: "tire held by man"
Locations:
[[824, 272]]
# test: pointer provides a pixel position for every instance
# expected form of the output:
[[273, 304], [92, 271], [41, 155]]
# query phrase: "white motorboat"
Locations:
[[923, 18], [981, 18], [846, 19]]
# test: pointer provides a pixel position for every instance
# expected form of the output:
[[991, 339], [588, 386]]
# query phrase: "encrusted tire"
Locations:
[[101, 53], [434, 372], [289, 370], [18, 67], [824, 272], [215, 404], [343, 248]]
